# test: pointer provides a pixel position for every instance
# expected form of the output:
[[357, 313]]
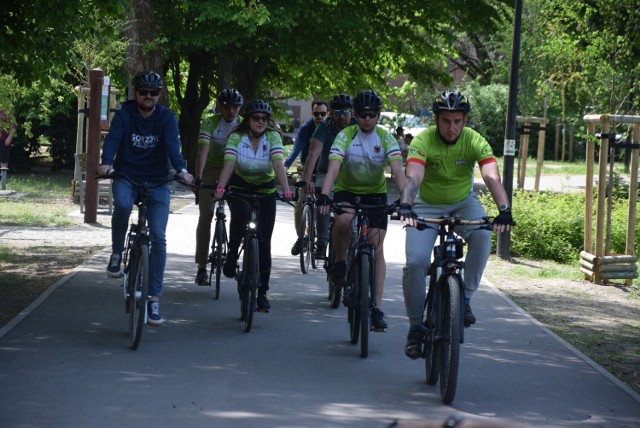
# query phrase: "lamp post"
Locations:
[[509, 151]]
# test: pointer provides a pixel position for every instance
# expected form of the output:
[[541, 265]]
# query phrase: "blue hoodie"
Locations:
[[143, 147]]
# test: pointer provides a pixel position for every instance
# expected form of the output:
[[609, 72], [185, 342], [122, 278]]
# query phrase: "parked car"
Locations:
[[410, 123]]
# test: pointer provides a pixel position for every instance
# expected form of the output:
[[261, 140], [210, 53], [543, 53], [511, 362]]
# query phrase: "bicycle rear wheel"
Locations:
[[219, 255], [335, 294], [313, 234], [304, 235], [450, 350], [251, 280], [353, 310], [362, 287], [138, 286]]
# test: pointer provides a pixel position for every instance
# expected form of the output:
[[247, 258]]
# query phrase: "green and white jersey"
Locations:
[[214, 132], [363, 158], [255, 167], [448, 169]]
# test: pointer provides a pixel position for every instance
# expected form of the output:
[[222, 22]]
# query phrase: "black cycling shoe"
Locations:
[[413, 346], [263, 304], [295, 250], [320, 252], [338, 273], [469, 318], [202, 278], [377, 320]]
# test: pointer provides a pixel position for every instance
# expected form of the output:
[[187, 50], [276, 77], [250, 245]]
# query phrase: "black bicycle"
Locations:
[[360, 288], [444, 304], [219, 242], [136, 258], [308, 230], [248, 277]]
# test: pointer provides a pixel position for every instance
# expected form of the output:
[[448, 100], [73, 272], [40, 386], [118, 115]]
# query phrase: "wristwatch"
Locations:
[[504, 208]]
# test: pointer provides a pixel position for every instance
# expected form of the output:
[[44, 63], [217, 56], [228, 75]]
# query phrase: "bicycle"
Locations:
[[308, 230], [360, 287], [219, 242], [136, 259], [248, 277], [444, 304]]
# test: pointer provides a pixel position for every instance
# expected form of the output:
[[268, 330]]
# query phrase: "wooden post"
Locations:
[[540, 156], [633, 193], [555, 149], [96, 77], [588, 213]]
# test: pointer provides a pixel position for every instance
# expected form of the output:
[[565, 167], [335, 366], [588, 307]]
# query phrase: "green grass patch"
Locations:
[[7, 255]]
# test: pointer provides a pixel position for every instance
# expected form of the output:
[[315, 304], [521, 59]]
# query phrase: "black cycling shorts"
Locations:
[[378, 219]]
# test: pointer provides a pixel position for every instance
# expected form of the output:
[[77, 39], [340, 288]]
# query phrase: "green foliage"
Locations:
[[488, 111], [550, 226]]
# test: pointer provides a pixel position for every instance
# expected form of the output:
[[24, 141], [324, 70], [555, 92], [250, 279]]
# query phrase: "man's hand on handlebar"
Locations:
[[407, 215], [503, 222]]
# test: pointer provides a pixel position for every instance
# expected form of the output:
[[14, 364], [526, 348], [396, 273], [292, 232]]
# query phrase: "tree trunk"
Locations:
[[141, 30]]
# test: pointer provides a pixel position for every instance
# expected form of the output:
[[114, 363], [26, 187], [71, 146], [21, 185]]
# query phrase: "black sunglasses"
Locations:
[[319, 113], [367, 115], [153, 93]]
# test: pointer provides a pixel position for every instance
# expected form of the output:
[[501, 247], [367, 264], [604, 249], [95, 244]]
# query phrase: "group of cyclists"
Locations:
[[345, 154]]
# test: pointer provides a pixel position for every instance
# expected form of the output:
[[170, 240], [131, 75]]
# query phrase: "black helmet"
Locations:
[[340, 101], [147, 79], [230, 97], [367, 100], [451, 101], [258, 106]]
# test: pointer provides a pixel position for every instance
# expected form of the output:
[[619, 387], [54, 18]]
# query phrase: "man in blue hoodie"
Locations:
[[143, 143]]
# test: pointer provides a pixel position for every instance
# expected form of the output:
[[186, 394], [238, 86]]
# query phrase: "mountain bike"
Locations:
[[136, 259], [444, 304], [308, 231], [360, 287], [219, 242], [248, 276]]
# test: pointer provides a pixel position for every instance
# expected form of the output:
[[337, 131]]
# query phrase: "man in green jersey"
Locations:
[[439, 181], [211, 143]]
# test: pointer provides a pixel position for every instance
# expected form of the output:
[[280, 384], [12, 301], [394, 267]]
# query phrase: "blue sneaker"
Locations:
[[154, 318], [113, 268]]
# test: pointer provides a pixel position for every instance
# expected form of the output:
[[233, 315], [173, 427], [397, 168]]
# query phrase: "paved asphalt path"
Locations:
[[66, 362]]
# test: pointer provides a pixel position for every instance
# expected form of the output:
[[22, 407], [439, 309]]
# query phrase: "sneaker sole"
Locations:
[[114, 275], [155, 323]]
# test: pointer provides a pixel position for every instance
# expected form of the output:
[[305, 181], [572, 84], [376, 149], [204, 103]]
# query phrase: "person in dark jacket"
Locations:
[[143, 143]]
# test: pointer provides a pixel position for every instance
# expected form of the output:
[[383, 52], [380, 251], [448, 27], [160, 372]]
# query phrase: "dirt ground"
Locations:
[[601, 321]]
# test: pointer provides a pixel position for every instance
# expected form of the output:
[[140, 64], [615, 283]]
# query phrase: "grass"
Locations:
[[46, 200], [556, 168]]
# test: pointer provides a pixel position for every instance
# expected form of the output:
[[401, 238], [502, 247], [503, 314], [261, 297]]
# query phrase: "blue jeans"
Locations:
[[124, 195]]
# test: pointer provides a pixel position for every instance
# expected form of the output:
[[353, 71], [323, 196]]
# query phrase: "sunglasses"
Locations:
[[144, 93], [367, 115], [319, 113], [260, 118], [344, 112]]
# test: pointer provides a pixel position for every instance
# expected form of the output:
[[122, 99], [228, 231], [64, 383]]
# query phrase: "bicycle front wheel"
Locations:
[[304, 235], [431, 347], [362, 287], [450, 350], [219, 255], [138, 286], [251, 280]]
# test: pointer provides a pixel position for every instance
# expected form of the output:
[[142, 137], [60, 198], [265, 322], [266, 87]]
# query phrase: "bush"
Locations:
[[550, 226]]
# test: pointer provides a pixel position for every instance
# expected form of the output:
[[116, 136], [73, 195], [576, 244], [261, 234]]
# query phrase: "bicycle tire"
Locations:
[[304, 235], [219, 255], [313, 233], [450, 349], [139, 290], [431, 348], [363, 287], [251, 278], [353, 312]]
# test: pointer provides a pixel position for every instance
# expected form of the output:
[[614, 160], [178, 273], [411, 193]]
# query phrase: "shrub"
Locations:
[[550, 226]]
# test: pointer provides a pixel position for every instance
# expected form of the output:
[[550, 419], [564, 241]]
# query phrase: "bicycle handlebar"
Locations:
[[423, 223], [141, 183], [339, 207]]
